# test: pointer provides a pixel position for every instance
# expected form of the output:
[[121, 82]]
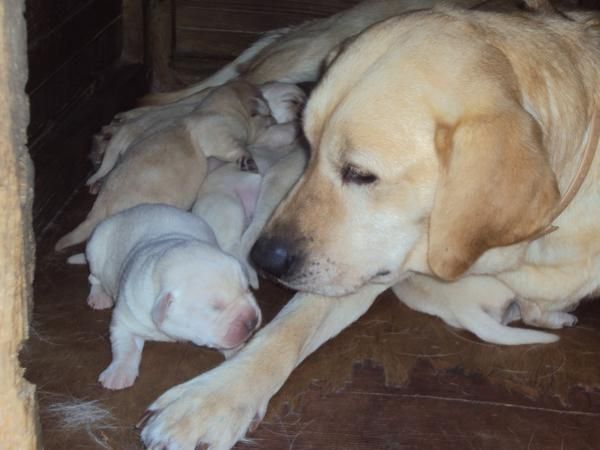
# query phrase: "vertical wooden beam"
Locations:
[[133, 31], [160, 31], [18, 411]]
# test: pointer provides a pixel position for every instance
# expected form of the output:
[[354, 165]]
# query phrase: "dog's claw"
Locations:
[[247, 164], [202, 446], [145, 417]]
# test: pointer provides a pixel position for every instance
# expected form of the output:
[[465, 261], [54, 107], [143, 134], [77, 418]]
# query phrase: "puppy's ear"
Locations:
[[259, 107], [161, 308], [496, 188]]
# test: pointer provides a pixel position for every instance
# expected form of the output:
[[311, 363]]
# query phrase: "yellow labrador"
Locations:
[[442, 145]]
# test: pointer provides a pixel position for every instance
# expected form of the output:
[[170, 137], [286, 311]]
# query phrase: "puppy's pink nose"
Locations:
[[242, 327]]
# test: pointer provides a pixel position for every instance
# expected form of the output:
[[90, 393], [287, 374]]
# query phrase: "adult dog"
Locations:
[[444, 145]]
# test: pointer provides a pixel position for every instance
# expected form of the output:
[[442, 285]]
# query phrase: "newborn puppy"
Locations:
[[226, 201], [170, 281], [227, 198], [169, 166], [285, 100]]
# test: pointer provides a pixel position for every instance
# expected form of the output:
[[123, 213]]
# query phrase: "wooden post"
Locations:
[[18, 412], [159, 45], [133, 31]]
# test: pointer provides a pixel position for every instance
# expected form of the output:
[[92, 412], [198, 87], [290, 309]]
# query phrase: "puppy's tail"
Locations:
[[488, 329], [78, 258], [164, 98], [79, 234]]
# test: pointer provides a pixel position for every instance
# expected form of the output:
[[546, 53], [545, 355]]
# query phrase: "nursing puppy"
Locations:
[[170, 281], [284, 101], [443, 145], [169, 166], [231, 200]]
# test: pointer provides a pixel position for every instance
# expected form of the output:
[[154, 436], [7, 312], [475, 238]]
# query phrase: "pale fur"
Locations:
[[169, 166], [284, 102], [297, 54], [231, 200], [169, 280], [385, 123]]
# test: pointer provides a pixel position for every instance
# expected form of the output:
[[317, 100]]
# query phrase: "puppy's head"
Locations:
[[422, 159], [240, 98], [285, 100], [204, 298]]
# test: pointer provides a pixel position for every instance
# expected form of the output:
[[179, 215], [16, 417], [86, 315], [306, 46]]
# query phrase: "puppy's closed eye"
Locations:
[[355, 175]]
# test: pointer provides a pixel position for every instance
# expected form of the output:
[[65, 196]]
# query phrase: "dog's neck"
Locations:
[[590, 144]]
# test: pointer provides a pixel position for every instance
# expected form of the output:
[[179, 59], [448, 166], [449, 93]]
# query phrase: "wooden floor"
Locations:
[[396, 379]]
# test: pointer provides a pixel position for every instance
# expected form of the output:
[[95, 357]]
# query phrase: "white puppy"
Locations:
[[227, 199], [170, 281]]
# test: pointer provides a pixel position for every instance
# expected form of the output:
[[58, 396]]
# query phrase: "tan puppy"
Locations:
[[169, 166], [441, 142], [284, 102]]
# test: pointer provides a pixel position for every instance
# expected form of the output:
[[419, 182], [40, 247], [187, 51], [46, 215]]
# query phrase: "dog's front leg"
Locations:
[[218, 407]]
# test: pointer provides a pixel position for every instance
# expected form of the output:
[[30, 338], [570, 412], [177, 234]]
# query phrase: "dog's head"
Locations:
[[423, 158], [204, 297]]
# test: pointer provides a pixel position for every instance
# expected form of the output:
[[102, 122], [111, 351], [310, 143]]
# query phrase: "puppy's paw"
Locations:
[[204, 411], [252, 277], [557, 319], [95, 187], [247, 164], [99, 300], [118, 376]]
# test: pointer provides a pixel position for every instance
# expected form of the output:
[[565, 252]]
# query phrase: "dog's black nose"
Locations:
[[272, 256]]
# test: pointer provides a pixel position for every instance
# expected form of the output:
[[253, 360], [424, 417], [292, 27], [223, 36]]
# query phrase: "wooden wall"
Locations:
[[73, 50], [212, 32]]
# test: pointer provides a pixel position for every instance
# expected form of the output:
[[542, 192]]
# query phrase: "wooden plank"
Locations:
[[61, 157], [221, 44], [48, 54], [18, 410], [361, 422], [44, 17], [222, 29], [202, 18], [308, 8], [74, 79]]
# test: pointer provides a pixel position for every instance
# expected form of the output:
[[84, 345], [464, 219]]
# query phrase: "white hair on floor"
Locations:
[[72, 414]]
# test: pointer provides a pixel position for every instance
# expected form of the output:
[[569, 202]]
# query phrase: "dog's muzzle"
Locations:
[[275, 257]]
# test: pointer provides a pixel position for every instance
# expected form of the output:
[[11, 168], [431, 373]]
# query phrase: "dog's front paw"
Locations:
[[205, 412], [118, 376]]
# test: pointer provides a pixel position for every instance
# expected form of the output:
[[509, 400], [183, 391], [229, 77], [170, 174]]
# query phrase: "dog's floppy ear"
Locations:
[[161, 307], [496, 188]]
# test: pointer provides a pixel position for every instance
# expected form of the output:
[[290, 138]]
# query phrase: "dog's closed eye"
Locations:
[[354, 175]]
